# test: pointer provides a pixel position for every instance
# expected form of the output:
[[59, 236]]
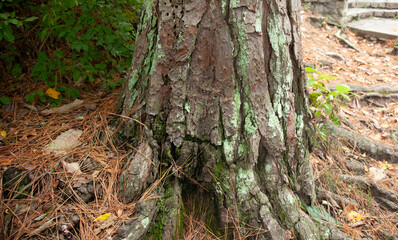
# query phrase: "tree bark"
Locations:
[[220, 88]]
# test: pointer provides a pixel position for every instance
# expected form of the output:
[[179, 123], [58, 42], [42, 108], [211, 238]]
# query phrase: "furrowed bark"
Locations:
[[220, 88]]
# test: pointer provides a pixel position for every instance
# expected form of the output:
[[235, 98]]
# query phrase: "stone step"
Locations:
[[386, 4], [359, 13], [377, 28]]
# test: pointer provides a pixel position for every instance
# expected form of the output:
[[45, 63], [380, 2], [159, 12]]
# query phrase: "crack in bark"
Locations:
[[266, 48], [218, 97]]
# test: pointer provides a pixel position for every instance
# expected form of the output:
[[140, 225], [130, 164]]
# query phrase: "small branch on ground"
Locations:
[[65, 108], [342, 39]]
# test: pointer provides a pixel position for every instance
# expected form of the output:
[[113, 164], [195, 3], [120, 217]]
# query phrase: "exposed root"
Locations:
[[344, 40], [376, 150], [334, 199], [384, 196], [379, 88]]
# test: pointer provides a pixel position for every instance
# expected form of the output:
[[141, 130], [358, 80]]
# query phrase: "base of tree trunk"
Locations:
[[217, 89]]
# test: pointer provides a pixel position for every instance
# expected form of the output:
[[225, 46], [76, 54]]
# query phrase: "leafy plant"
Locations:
[[7, 19], [51, 95], [99, 34], [322, 100], [5, 100], [72, 43]]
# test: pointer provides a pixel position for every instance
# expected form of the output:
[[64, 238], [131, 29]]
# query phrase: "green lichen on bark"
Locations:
[[280, 66], [221, 111], [244, 184]]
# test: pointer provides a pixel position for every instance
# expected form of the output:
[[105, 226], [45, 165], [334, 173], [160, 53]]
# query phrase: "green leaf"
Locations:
[[59, 54], [7, 34], [318, 113], [335, 120], [40, 92], [16, 69], [41, 57], [325, 89], [5, 100], [30, 97], [62, 34], [321, 214], [342, 88], [328, 108], [15, 21], [74, 93], [30, 19], [327, 76], [43, 99], [76, 76], [43, 34], [4, 15], [310, 70], [345, 97]]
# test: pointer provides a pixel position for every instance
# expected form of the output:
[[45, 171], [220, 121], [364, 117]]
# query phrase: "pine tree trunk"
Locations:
[[220, 88]]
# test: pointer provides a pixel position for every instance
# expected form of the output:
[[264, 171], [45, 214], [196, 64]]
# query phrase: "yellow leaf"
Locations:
[[103, 217], [355, 216], [3, 133], [51, 92]]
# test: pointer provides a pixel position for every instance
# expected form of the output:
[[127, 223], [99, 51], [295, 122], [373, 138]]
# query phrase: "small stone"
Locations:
[[380, 79], [373, 39]]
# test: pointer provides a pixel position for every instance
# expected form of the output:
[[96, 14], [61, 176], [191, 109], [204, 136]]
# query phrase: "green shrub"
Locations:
[[72, 43], [323, 101]]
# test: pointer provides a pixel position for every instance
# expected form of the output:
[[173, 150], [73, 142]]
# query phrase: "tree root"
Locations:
[[344, 40], [137, 228], [378, 99], [379, 88], [376, 150], [384, 196], [324, 194], [378, 95]]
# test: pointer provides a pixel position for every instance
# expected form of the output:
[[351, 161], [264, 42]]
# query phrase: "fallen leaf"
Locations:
[[72, 167], [322, 214], [385, 165], [355, 216], [119, 212], [377, 173], [63, 142], [3, 133], [103, 217], [51, 92]]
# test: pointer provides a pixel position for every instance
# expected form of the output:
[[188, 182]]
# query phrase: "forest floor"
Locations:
[[74, 194], [376, 118]]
